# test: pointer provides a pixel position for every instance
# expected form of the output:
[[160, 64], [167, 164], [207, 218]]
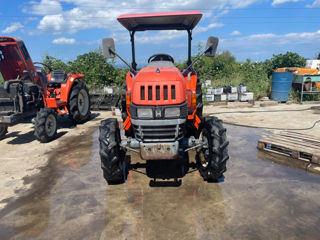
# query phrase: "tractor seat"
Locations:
[[58, 76]]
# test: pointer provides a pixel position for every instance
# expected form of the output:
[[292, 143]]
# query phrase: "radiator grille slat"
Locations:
[[158, 92], [159, 133]]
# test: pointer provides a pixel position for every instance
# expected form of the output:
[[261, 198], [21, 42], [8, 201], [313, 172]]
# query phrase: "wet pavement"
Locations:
[[257, 199]]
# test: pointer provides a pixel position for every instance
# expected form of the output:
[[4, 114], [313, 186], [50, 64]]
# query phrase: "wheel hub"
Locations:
[[50, 125]]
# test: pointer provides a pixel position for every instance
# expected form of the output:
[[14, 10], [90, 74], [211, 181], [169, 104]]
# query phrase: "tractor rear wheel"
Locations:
[[79, 103], [3, 131], [212, 158], [45, 127], [112, 156]]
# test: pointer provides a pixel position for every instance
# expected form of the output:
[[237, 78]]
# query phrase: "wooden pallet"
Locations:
[[292, 148]]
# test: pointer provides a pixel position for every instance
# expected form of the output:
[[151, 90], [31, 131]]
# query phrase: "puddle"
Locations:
[[69, 199]]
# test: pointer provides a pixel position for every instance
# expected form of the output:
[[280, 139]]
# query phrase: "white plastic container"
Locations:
[[234, 89], [232, 96], [108, 90], [207, 83], [220, 97], [245, 97], [242, 89], [217, 91], [210, 98], [209, 91]]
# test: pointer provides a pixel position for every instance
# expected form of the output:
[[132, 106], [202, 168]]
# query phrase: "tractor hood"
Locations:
[[158, 86], [12, 63]]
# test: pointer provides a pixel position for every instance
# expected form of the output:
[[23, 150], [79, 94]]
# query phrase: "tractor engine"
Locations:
[[18, 96]]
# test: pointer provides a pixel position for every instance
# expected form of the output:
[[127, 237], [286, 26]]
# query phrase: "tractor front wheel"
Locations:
[[45, 127], [112, 156], [3, 131], [212, 158], [79, 103]]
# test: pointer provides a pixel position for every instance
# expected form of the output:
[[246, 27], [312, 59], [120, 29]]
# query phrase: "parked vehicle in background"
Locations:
[[29, 91]]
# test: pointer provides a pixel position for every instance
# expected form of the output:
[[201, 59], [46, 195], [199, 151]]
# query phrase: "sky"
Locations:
[[254, 29]]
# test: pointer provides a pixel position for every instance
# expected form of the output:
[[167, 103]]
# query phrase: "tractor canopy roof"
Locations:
[[186, 20]]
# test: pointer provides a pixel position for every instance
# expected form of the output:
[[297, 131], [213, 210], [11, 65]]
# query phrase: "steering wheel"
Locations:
[[160, 57], [45, 65]]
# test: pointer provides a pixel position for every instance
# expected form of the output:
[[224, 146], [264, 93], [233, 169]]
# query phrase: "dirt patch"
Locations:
[[23, 158]]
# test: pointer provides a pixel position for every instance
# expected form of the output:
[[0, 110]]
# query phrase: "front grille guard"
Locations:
[[159, 130]]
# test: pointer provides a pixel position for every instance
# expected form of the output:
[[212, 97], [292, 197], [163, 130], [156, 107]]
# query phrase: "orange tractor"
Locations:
[[29, 91], [162, 109]]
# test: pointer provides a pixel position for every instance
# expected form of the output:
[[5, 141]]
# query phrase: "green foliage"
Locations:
[[289, 59], [318, 56], [255, 76], [96, 69], [222, 70], [54, 63]]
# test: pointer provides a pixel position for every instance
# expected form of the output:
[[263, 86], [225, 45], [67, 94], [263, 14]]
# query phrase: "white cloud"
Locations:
[[64, 40], [277, 2], [264, 39], [12, 28], [52, 23], [210, 26], [262, 45], [44, 7], [315, 4], [103, 14], [158, 37], [235, 33]]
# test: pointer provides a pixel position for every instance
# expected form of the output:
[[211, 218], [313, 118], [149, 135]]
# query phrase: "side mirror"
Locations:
[[108, 48], [211, 47]]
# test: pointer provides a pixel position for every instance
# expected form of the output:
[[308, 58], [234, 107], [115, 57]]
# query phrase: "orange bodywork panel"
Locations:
[[154, 86], [58, 97]]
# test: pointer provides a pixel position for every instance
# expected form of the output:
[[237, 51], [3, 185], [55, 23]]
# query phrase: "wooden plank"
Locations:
[[283, 159], [299, 139], [313, 168], [302, 135], [292, 144], [313, 148], [315, 159], [307, 138], [289, 146]]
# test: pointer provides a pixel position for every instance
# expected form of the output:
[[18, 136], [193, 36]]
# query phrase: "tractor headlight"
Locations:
[[172, 112], [144, 113]]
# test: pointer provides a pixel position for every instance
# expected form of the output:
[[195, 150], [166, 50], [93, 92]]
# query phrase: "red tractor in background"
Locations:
[[29, 91], [162, 109]]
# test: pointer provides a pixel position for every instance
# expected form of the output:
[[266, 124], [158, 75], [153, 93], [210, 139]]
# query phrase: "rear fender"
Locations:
[[66, 87]]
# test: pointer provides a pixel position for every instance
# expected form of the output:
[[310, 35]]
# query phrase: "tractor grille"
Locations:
[[159, 130], [158, 92]]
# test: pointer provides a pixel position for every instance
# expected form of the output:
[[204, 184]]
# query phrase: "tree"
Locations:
[[289, 59], [318, 57], [54, 63], [97, 70]]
